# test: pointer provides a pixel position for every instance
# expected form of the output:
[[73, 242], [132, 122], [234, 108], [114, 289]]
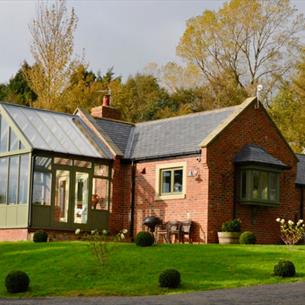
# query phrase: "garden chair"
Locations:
[[186, 228], [162, 232], [174, 229]]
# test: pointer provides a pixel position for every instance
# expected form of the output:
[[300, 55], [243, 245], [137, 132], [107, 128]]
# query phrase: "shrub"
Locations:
[[231, 226], [40, 237], [144, 239], [17, 281], [169, 278], [284, 268], [247, 238]]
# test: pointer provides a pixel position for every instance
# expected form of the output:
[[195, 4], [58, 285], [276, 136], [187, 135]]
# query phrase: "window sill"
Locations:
[[169, 197], [41, 205], [260, 203]]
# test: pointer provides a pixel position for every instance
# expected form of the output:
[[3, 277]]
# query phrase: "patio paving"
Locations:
[[280, 294]]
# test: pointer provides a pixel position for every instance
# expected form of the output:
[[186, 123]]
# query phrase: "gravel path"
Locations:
[[281, 294]]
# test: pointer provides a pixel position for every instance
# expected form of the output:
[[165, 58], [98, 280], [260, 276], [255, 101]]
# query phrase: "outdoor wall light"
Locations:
[[190, 174], [193, 172]]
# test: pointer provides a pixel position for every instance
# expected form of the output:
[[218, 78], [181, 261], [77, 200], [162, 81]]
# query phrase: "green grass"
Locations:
[[69, 269]]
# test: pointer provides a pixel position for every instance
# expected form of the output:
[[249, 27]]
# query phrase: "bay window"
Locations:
[[259, 186]]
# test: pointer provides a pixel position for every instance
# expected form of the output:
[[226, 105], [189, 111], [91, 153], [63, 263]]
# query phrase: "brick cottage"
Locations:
[[60, 172]]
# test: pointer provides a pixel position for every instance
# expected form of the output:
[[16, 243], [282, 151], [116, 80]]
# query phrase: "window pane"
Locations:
[[81, 198], [273, 179], [4, 136], [62, 191], [100, 188], [13, 180], [244, 185], [14, 142], [3, 175], [255, 184], [42, 188], [80, 163], [62, 161], [178, 178], [23, 179], [101, 170], [166, 181], [264, 185], [43, 163]]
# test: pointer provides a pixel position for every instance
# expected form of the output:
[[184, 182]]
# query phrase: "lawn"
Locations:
[[69, 269]]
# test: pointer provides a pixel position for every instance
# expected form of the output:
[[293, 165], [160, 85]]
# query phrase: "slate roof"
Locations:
[[56, 132], [300, 170], [252, 153], [117, 131], [174, 136]]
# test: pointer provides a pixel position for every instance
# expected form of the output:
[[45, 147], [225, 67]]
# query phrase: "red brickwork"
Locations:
[[193, 206], [13, 234], [252, 126], [120, 197], [106, 112], [209, 198]]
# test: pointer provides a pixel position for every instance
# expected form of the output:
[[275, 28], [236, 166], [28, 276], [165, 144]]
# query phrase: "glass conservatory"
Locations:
[[53, 172]]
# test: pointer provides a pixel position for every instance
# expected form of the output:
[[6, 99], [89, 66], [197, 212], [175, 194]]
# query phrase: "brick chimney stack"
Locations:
[[105, 110]]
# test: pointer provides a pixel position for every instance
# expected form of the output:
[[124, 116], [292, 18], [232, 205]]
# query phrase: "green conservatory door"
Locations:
[[62, 196], [71, 200], [81, 198], [70, 194]]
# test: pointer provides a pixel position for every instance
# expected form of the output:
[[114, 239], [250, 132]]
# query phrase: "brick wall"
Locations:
[[13, 234], [209, 196], [120, 197], [194, 205], [252, 127]]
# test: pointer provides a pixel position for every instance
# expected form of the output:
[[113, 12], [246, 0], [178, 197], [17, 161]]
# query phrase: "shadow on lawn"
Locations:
[[275, 251], [241, 278], [16, 251]]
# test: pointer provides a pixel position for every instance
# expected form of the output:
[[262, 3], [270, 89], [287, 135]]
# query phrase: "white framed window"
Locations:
[[171, 181]]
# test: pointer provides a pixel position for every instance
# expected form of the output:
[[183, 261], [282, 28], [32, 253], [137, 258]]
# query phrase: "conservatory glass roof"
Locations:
[[56, 132]]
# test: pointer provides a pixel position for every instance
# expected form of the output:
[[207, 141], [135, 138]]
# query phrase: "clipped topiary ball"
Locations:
[[247, 238], [40, 237], [145, 239], [284, 268], [17, 281], [169, 278]]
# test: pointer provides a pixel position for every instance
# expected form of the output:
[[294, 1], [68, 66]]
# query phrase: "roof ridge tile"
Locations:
[[200, 113]]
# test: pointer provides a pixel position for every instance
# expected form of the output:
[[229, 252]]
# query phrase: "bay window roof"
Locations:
[[253, 154]]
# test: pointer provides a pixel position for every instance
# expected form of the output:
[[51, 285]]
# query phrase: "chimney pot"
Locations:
[[106, 100]]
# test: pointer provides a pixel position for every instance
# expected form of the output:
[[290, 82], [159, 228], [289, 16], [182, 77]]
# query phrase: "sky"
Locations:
[[124, 34]]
